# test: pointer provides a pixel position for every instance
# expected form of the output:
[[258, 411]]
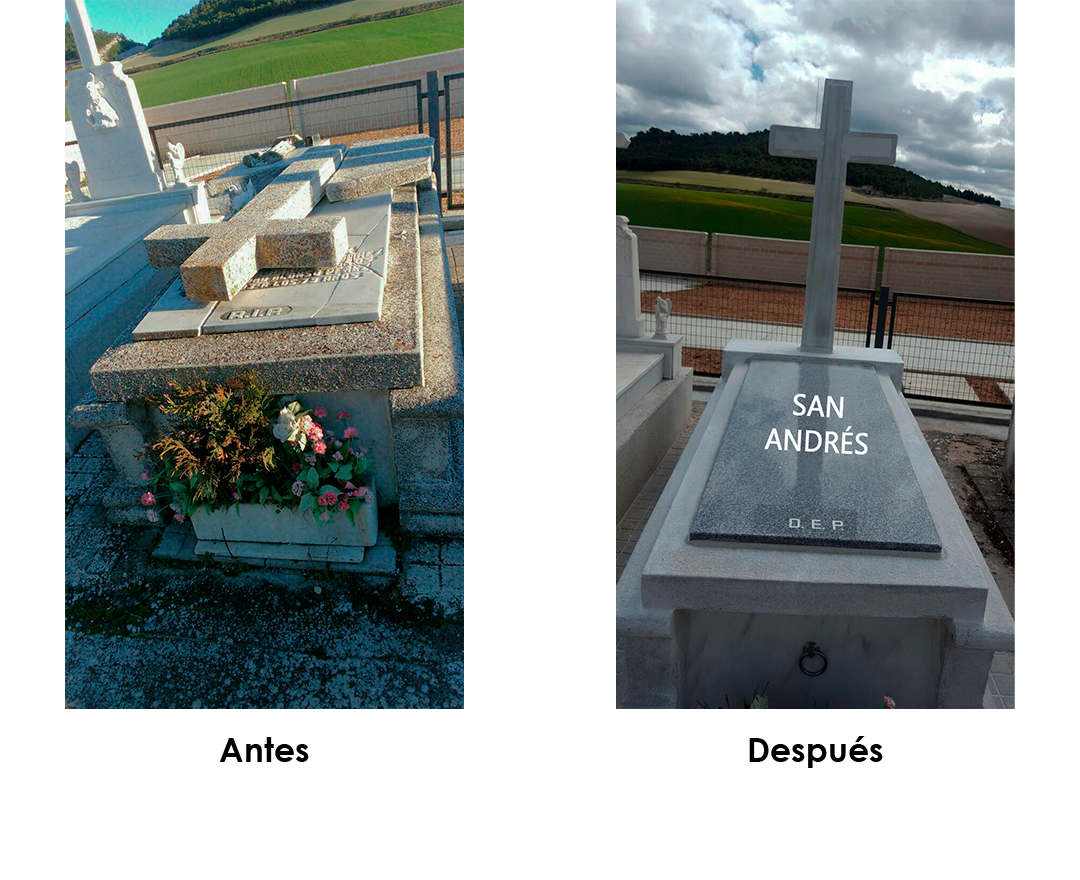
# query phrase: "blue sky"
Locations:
[[142, 20], [939, 74]]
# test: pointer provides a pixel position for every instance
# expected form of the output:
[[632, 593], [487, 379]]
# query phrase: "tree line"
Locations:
[[748, 154], [212, 18], [102, 38]]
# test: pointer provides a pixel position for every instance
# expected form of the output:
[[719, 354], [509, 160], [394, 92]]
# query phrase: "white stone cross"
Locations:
[[833, 145]]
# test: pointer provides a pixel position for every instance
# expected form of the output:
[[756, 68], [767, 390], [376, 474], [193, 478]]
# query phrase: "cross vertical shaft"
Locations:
[[832, 146], [83, 33]]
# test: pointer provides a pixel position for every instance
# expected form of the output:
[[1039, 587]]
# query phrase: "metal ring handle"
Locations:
[[810, 651]]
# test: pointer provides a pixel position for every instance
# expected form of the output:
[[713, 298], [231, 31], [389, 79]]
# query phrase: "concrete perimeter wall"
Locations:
[[376, 111], [672, 250], [947, 273], [944, 273], [778, 259]]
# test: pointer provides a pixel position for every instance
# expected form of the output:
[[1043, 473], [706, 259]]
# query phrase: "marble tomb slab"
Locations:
[[836, 475], [349, 292]]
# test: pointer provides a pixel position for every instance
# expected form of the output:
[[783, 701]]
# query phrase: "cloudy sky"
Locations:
[[939, 74]]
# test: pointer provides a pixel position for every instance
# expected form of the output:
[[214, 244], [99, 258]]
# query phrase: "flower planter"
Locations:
[[258, 532]]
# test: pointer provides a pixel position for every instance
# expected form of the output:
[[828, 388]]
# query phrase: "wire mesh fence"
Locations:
[[454, 126], [955, 349], [958, 350], [215, 143], [709, 312]]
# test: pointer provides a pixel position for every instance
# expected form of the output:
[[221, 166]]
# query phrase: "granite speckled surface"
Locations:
[[382, 354], [301, 244], [220, 267], [369, 167], [759, 493]]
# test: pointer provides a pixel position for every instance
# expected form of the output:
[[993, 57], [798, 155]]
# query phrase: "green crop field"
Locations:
[[357, 45], [279, 24], [734, 214], [734, 181]]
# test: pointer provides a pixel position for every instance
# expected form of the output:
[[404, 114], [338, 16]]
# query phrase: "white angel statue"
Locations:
[[663, 312]]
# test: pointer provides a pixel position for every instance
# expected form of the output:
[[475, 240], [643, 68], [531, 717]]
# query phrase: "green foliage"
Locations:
[[236, 443], [209, 18], [218, 434], [338, 48], [737, 153], [101, 38]]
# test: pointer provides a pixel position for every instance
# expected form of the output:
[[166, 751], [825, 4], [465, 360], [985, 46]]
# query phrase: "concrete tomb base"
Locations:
[[705, 620], [400, 377]]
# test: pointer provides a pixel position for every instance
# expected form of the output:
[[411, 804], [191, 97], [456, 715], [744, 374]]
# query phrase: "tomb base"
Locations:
[[400, 377], [709, 620]]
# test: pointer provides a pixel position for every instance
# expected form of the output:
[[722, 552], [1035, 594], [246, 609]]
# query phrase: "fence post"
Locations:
[[883, 308], [433, 123]]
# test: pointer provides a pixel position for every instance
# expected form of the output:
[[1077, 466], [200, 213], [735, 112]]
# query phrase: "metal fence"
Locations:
[[958, 350], [961, 350], [214, 144], [454, 114]]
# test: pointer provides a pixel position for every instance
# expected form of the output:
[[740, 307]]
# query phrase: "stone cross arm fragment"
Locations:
[[217, 260], [370, 167]]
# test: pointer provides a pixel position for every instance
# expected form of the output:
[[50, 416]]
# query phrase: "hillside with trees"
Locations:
[[115, 43], [748, 154], [211, 18]]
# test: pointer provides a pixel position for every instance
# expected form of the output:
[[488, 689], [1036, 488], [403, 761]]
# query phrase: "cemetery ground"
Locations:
[[970, 455], [147, 631]]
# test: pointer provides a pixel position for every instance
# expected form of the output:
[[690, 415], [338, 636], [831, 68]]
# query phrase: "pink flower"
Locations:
[[324, 516], [299, 488], [343, 505], [363, 493], [311, 459], [235, 495], [328, 498], [320, 413], [889, 703], [144, 476], [338, 456], [314, 431], [147, 499], [296, 467], [342, 416], [349, 486], [319, 447], [152, 515], [179, 517], [338, 444], [350, 433]]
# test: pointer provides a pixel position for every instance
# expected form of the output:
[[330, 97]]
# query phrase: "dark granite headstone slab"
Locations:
[[835, 478]]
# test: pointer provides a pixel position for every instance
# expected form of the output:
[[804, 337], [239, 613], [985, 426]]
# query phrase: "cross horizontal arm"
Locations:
[[794, 142], [870, 149]]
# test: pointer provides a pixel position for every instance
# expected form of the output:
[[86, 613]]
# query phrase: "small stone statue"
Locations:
[[177, 156], [240, 197], [100, 113], [663, 312], [74, 179]]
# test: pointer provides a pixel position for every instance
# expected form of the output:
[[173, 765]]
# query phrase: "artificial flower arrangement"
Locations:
[[236, 443]]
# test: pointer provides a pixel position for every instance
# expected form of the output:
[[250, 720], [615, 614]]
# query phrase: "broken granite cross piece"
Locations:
[[218, 259], [370, 167]]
